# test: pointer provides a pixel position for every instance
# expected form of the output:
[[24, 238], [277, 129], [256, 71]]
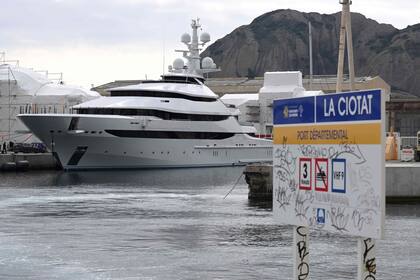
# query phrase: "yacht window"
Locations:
[[170, 134], [182, 79], [164, 94], [74, 123], [149, 112]]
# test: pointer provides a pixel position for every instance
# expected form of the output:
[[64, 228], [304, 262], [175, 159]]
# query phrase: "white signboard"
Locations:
[[329, 162]]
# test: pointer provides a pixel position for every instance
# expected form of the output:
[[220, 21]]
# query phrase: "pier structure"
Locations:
[[401, 181], [28, 161], [259, 178]]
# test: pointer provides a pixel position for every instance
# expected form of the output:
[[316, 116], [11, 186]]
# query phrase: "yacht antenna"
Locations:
[[164, 50], [194, 57], [192, 54], [163, 58]]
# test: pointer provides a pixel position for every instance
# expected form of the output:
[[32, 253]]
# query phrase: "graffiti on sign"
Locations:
[[329, 162]]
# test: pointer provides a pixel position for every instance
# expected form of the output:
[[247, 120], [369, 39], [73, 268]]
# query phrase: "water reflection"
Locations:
[[261, 204], [170, 224], [185, 177]]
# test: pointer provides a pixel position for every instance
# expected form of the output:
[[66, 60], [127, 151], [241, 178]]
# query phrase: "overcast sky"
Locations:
[[98, 41]]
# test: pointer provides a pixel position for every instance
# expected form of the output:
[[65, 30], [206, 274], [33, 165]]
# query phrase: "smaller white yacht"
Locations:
[[173, 122]]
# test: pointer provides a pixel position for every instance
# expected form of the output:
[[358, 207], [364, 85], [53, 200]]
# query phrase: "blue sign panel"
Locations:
[[352, 106], [296, 110], [338, 175], [320, 216]]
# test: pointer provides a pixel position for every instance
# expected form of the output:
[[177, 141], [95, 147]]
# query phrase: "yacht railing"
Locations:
[[52, 76], [30, 108], [3, 60]]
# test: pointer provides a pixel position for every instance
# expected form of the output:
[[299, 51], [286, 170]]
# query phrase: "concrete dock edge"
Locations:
[[402, 181]]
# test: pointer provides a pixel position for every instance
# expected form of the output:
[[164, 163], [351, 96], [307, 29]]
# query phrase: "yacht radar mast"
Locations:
[[192, 55]]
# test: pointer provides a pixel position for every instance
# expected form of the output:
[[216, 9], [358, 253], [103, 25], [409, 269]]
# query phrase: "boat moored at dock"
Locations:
[[173, 122]]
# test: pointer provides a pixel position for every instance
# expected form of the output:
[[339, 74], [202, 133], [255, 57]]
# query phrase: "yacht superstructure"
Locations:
[[174, 122]]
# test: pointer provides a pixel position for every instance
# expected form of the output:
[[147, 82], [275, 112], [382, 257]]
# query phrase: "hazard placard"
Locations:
[[338, 175], [321, 174], [305, 173]]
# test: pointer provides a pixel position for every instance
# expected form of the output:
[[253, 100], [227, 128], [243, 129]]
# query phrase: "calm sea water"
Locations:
[[170, 224]]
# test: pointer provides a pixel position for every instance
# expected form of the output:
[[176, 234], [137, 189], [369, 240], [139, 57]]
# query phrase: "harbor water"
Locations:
[[171, 224]]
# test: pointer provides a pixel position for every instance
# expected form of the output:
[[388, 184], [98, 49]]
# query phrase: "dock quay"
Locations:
[[402, 181], [27, 161], [259, 177]]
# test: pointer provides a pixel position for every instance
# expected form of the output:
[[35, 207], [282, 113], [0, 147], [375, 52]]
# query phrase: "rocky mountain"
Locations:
[[278, 41]]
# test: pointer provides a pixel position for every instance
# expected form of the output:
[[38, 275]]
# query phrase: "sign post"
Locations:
[[366, 252], [329, 171], [301, 253]]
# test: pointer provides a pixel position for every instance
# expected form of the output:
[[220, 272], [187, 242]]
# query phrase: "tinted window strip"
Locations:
[[170, 134], [184, 79], [172, 81], [77, 155], [162, 94], [74, 123], [149, 112]]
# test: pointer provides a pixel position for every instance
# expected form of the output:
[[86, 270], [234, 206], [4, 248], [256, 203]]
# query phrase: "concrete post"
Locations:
[[311, 71], [341, 48], [349, 46], [301, 253], [366, 259]]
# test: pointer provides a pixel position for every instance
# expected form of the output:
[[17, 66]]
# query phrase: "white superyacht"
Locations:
[[174, 122]]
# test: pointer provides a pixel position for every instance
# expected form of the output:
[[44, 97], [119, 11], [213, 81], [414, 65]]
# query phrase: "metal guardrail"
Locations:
[[58, 77], [410, 141], [3, 60], [52, 76]]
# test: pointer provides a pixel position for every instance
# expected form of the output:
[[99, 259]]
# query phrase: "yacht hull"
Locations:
[[92, 147]]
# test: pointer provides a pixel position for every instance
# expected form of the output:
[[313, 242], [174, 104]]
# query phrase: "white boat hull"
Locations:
[[91, 147]]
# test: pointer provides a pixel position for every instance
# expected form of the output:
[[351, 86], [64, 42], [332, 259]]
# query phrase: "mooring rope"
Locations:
[[237, 181]]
